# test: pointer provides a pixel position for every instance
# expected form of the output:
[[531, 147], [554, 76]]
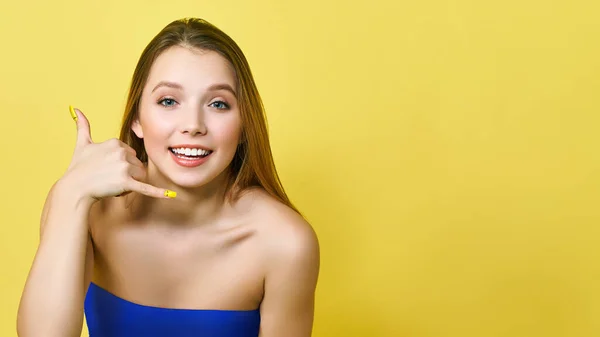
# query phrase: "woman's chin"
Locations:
[[190, 183], [194, 181]]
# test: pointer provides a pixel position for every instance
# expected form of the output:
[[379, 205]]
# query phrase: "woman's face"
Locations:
[[189, 117]]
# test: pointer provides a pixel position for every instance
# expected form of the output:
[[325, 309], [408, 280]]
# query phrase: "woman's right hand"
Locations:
[[110, 168]]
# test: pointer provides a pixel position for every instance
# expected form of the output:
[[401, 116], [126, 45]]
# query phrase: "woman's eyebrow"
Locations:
[[214, 87], [168, 84], [222, 86]]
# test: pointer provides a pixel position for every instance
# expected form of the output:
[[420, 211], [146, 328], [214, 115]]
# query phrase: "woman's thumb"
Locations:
[[84, 136]]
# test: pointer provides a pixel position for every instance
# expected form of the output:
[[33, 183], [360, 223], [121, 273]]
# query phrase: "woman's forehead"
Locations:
[[191, 68]]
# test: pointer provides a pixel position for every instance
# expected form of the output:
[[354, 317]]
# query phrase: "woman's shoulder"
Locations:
[[269, 213], [290, 256], [284, 234], [108, 212]]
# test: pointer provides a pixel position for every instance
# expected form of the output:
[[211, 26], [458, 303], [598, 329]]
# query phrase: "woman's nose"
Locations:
[[193, 122]]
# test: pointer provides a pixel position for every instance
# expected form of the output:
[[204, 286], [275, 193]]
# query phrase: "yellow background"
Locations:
[[446, 152]]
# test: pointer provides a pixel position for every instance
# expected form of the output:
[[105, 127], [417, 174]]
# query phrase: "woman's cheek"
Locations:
[[231, 135]]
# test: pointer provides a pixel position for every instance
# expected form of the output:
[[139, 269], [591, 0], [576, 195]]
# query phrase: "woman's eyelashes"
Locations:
[[170, 102], [167, 102], [223, 105]]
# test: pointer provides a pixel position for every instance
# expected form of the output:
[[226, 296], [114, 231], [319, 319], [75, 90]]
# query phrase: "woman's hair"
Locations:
[[252, 164]]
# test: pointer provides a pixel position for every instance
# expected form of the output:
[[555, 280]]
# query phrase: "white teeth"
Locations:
[[191, 152]]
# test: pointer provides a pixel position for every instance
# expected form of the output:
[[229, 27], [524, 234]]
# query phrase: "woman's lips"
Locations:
[[189, 161]]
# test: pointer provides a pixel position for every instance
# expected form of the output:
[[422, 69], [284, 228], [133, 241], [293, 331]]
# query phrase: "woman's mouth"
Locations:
[[189, 157]]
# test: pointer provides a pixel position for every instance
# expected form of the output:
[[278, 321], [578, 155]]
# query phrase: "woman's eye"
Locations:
[[220, 105], [168, 102]]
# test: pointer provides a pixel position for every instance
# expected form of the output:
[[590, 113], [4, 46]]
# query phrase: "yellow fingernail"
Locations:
[[170, 194], [73, 114]]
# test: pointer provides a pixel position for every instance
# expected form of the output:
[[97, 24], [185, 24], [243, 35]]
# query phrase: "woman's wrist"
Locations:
[[68, 192]]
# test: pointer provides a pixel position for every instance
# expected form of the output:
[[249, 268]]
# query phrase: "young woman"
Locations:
[[180, 227]]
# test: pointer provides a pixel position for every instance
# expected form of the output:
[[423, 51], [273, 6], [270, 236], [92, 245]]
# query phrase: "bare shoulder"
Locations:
[[285, 235], [290, 257], [106, 213]]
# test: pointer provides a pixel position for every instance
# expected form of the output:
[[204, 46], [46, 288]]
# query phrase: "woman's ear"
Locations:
[[137, 128]]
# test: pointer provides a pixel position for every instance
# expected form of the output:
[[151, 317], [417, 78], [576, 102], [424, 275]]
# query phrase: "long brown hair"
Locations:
[[252, 165]]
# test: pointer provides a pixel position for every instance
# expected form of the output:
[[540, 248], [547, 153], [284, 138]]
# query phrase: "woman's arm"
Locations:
[[53, 297], [288, 305]]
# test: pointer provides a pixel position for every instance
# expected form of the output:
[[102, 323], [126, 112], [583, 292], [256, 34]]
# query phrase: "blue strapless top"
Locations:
[[110, 316]]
